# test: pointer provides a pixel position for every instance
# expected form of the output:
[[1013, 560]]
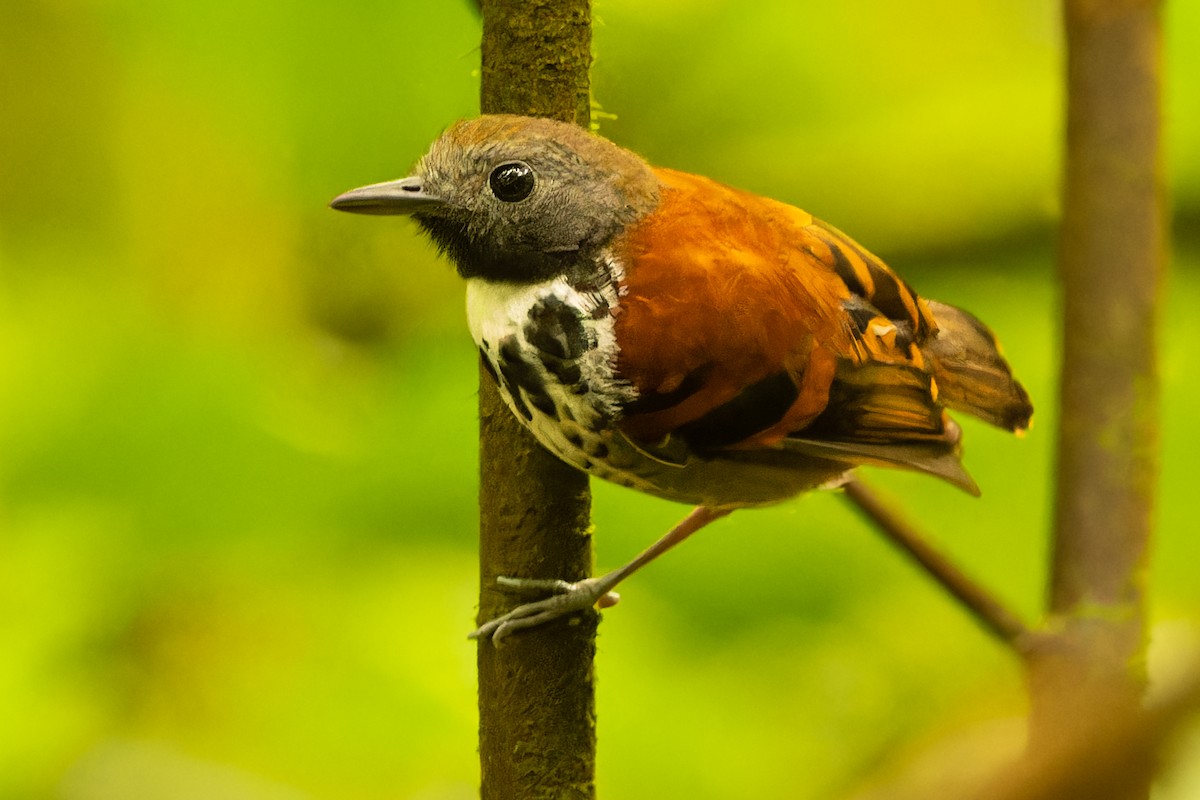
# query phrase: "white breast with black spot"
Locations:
[[553, 349]]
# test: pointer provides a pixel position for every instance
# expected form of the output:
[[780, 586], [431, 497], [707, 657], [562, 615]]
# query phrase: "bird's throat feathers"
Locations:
[[478, 256]]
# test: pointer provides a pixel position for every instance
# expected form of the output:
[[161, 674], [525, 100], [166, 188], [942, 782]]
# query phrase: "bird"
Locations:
[[684, 338]]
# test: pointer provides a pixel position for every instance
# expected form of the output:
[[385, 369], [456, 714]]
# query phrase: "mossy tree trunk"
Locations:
[[1112, 252], [536, 701]]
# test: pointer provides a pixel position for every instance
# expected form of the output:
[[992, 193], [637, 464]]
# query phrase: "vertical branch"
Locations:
[[1111, 264], [536, 701]]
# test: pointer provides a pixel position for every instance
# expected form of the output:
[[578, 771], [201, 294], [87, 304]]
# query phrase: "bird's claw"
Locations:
[[565, 598]]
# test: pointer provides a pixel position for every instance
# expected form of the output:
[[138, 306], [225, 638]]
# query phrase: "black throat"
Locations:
[[473, 259]]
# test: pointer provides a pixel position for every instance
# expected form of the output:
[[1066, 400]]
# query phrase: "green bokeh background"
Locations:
[[237, 432]]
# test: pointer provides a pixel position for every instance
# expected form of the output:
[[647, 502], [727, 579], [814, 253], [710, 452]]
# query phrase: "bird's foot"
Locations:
[[565, 598]]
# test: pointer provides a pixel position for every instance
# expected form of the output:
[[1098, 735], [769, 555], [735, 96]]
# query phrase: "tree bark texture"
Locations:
[[536, 690], [1111, 262]]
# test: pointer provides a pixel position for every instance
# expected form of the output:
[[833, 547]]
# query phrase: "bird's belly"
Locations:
[[728, 479], [552, 350]]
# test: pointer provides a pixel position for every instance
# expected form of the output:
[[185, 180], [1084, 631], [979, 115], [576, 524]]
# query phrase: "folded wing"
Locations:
[[820, 350]]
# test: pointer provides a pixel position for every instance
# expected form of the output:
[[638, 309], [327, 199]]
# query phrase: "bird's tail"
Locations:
[[971, 374]]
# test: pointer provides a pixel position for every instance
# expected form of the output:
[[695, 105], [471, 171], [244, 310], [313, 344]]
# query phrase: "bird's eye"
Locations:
[[512, 182]]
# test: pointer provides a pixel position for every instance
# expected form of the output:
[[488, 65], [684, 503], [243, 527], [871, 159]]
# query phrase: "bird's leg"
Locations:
[[570, 597]]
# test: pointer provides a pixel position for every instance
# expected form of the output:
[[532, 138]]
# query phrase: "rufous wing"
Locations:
[[746, 323]]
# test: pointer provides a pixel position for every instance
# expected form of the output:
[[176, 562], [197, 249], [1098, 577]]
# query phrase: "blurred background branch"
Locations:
[[987, 609], [1112, 256], [1114, 755]]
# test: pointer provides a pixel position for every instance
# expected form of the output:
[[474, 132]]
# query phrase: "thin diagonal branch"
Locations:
[[985, 607]]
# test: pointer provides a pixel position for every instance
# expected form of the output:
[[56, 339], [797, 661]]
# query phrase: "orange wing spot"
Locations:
[[869, 277], [924, 320], [916, 356], [861, 270], [844, 259], [910, 304], [885, 332]]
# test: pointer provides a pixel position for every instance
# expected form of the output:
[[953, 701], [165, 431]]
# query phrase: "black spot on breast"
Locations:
[[567, 372], [516, 374], [514, 366], [555, 328], [754, 409], [544, 404], [519, 404], [508, 379]]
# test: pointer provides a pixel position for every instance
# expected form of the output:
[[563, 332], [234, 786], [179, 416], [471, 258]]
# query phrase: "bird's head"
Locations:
[[517, 199]]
